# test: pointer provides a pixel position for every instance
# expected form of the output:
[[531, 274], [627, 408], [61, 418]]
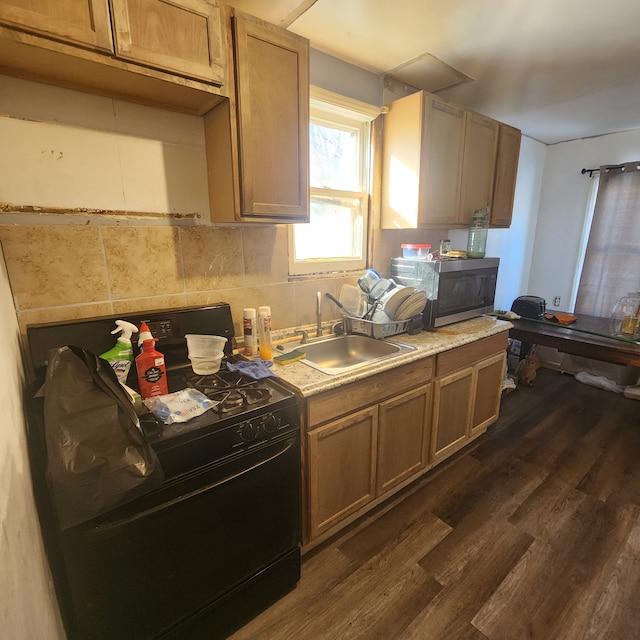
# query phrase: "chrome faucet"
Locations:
[[319, 314], [304, 333]]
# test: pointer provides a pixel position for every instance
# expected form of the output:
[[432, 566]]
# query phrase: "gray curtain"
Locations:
[[612, 260]]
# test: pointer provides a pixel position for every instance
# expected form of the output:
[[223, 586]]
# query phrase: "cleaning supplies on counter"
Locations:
[[264, 332], [145, 334], [250, 332], [152, 373], [120, 356]]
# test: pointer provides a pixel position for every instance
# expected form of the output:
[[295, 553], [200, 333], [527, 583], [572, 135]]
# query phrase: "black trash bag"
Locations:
[[97, 455]]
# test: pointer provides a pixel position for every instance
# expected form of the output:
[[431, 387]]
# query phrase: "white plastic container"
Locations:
[[205, 352], [206, 364]]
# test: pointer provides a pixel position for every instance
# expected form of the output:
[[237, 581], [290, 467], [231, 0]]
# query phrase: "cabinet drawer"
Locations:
[[467, 355], [351, 397]]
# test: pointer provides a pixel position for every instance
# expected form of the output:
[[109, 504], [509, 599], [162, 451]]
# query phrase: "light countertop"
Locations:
[[309, 381]]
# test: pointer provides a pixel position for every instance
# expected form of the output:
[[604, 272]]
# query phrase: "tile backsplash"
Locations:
[[61, 272]]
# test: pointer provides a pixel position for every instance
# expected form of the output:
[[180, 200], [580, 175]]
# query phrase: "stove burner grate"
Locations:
[[230, 390]]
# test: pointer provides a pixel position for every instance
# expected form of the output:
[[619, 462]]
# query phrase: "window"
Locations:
[[612, 261], [335, 239]]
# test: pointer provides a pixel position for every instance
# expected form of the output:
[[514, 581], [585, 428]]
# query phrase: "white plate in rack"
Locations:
[[412, 306], [391, 301]]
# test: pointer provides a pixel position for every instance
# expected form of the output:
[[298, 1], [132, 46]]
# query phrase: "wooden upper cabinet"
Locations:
[[441, 162], [171, 54], [481, 143], [506, 173], [257, 143], [79, 22], [184, 37], [421, 162]]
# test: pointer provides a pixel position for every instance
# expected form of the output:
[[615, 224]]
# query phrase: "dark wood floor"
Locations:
[[534, 533]]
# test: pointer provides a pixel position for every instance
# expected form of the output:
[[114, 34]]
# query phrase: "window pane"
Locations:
[[334, 161], [336, 227]]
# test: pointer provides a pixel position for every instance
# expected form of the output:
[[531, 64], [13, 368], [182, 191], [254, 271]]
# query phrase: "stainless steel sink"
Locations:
[[340, 354]]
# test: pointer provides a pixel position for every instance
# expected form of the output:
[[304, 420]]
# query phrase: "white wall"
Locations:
[[76, 150], [563, 204], [27, 601]]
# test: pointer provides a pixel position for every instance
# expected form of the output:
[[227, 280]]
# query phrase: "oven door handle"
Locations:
[[286, 446]]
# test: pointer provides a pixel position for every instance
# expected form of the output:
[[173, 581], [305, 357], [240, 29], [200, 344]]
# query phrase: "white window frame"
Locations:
[[336, 109]]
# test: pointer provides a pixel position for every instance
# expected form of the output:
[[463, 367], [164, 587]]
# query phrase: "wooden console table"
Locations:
[[568, 340]]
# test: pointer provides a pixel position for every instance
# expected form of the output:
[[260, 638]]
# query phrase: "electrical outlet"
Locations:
[[556, 301]]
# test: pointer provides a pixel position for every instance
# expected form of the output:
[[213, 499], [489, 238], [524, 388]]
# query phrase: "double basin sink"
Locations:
[[342, 354]]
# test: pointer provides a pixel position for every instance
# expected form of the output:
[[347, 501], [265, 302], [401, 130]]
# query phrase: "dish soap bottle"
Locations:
[[152, 373], [477, 242], [120, 356]]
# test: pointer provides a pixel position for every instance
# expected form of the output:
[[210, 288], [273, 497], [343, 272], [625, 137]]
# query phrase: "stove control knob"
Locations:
[[248, 431], [271, 423]]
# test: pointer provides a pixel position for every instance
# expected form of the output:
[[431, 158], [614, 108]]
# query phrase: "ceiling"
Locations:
[[556, 70]]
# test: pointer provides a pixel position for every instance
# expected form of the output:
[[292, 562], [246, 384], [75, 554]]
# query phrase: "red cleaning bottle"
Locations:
[[152, 374]]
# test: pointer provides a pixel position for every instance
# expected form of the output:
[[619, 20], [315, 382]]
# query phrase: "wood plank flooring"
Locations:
[[534, 533]]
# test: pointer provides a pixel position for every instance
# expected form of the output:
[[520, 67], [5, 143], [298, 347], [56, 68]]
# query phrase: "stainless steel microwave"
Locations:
[[457, 289]]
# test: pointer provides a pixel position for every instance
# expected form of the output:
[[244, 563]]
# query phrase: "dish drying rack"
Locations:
[[351, 324]]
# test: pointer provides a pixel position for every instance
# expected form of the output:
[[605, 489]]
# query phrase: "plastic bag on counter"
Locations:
[[179, 406], [97, 456]]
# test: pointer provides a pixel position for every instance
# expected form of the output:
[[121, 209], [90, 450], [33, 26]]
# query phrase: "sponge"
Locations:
[[292, 356]]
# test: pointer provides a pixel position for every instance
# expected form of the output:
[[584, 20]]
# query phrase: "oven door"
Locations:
[[462, 295], [145, 568]]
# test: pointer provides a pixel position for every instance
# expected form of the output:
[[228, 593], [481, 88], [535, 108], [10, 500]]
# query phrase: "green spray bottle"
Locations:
[[120, 356]]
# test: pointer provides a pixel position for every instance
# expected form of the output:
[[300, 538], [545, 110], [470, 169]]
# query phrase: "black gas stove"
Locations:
[[246, 412], [220, 539]]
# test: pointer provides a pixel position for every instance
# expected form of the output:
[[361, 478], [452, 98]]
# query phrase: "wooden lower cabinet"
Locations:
[[451, 412], [403, 437], [467, 399], [488, 391], [367, 440], [342, 464]]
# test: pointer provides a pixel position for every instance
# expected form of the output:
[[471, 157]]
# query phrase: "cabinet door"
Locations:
[[183, 37], [421, 162], [488, 392], [401, 158], [506, 173], [80, 22], [452, 410], [272, 75], [403, 438], [342, 468], [481, 141], [442, 154]]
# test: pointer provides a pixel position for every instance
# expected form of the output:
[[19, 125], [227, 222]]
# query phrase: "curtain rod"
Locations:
[[592, 171]]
